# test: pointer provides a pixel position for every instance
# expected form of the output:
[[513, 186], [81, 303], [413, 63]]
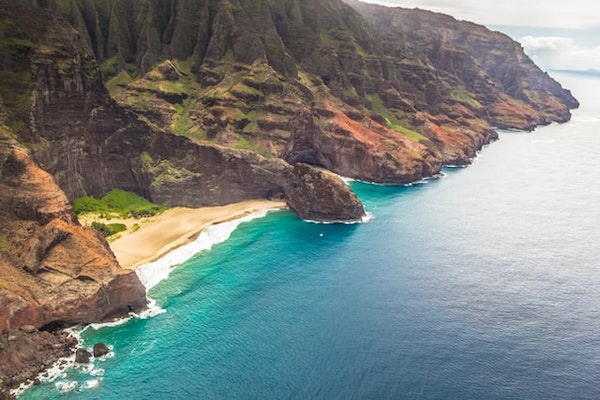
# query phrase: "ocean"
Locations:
[[482, 284]]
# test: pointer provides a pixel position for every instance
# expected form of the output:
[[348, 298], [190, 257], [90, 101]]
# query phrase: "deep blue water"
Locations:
[[484, 284]]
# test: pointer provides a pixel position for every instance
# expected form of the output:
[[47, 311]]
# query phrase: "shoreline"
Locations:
[[154, 239], [159, 235]]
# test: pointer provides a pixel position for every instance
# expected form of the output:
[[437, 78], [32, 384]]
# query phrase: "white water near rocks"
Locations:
[[150, 275], [153, 273]]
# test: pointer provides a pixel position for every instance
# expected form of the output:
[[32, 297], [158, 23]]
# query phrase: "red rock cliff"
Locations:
[[53, 272]]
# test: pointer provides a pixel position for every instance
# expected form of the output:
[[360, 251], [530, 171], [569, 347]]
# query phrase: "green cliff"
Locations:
[[240, 73]]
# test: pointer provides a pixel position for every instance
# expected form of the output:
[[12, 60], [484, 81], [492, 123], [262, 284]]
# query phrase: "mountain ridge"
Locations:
[[275, 60]]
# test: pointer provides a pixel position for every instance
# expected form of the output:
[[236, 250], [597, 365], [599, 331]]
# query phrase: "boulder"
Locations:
[[82, 356], [319, 195], [71, 342], [100, 349]]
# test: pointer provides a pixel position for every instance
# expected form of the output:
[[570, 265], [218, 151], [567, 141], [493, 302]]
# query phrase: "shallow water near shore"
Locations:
[[482, 284]]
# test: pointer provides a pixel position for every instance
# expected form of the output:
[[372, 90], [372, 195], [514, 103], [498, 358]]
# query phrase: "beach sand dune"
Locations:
[[176, 227]]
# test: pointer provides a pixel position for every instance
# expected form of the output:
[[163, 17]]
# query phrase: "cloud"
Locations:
[[546, 43], [557, 52], [576, 14], [554, 33]]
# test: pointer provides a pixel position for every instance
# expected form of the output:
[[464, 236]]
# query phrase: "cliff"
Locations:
[[209, 102], [91, 145], [241, 72], [512, 92], [53, 272]]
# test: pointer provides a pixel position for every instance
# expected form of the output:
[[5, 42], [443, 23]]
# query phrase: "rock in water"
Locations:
[[82, 356], [100, 349], [319, 195]]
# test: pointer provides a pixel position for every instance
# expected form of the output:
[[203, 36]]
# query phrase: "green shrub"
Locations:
[[108, 229], [88, 204], [121, 202]]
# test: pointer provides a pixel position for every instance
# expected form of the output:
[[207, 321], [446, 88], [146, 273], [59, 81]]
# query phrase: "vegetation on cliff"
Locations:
[[240, 72], [119, 203]]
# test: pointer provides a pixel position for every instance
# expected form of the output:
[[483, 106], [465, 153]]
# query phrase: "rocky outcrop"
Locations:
[[329, 201], [358, 147], [53, 272], [24, 355], [65, 273], [100, 349], [178, 171], [82, 356]]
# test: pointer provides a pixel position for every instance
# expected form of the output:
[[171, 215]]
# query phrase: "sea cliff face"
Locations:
[[91, 144], [499, 82], [210, 102], [241, 72]]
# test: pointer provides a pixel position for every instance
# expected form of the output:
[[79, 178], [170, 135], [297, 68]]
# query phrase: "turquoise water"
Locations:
[[484, 284]]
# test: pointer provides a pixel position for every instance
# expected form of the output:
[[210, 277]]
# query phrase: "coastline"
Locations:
[[159, 235], [155, 239]]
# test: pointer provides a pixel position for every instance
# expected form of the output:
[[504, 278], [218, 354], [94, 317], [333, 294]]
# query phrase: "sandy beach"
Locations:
[[156, 236]]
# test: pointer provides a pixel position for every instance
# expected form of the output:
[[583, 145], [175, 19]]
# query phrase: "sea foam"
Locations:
[[152, 273], [363, 220]]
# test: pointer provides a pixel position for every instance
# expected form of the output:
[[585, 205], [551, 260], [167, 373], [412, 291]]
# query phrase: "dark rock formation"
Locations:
[[329, 201], [82, 356], [100, 349], [25, 355]]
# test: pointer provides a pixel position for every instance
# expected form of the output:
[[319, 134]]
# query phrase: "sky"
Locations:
[[556, 34]]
